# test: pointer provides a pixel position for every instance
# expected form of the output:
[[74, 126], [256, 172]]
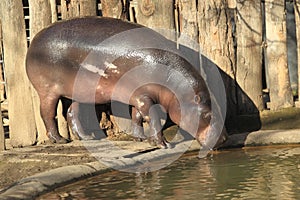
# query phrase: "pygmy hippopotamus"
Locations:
[[99, 60]]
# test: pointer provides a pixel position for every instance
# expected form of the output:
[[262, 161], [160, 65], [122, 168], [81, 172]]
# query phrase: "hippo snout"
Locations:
[[212, 138]]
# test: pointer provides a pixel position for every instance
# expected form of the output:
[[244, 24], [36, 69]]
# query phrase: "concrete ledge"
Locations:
[[33, 186], [271, 137], [263, 138]]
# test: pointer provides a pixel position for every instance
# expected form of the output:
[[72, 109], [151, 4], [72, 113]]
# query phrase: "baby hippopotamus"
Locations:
[[100, 60]]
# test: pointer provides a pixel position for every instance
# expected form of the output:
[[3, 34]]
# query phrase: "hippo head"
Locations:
[[194, 114]]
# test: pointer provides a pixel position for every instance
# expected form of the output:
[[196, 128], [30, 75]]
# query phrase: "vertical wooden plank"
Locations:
[[217, 44], [215, 34], [88, 8], [188, 20], [297, 21], [2, 136], [78, 8], [53, 6], [280, 90], [249, 53], [40, 17], [112, 8], [2, 81], [156, 14], [20, 107]]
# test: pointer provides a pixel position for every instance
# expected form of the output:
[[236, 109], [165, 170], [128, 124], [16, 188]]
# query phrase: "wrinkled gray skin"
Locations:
[[58, 53]]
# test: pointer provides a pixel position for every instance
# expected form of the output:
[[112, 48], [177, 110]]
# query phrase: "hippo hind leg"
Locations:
[[48, 105], [74, 123]]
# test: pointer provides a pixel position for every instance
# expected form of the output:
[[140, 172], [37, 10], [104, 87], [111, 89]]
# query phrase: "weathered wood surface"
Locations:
[[279, 84], [297, 21], [20, 106], [249, 54], [156, 14], [187, 21], [215, 34], [54, 13], [2, 136], [112, 8], [78, 8], [40, 17]]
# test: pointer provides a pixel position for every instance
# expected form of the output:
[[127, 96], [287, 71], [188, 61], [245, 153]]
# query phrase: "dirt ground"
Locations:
[[16, 164]]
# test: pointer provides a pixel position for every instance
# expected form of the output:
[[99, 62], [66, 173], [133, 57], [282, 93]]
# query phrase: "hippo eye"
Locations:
[[197, 99]]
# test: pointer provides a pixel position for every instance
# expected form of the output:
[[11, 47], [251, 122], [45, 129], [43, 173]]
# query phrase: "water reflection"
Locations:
[[253, 173]]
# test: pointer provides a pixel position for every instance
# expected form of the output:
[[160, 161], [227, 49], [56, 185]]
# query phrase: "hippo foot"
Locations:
[[86, 137], [163, 144], [57, 139], [138, 139]]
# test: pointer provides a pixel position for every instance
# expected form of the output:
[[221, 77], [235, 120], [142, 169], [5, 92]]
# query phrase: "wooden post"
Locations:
[[217, 44], [249, 54], [156, 14], [53, 10], [78, 8], [188, 20], [215, 34], [297, 21], [40, 17], [280, 89], [20, 106], [112, 8], [2, 80], [2, 136]]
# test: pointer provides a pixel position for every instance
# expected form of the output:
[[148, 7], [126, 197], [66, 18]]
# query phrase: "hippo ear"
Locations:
[[197, 99]]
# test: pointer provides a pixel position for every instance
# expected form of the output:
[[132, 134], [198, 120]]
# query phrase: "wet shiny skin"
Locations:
[[71, 59]]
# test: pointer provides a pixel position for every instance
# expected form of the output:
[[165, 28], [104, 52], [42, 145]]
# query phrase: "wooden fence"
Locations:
[[246, 39]]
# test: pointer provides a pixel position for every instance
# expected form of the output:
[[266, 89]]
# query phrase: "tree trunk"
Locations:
[[40, 17], [188, 22], [156, 14], [249, 54], [215, 34], [112, 8], [20, 108], [297, 21], [78, 8], [280, 90]]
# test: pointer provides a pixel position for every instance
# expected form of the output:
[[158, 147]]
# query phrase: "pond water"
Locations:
[[249, 173]]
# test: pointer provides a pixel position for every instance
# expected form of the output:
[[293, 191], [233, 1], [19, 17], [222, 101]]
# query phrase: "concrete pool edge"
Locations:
[[38, 184], [33, 186]]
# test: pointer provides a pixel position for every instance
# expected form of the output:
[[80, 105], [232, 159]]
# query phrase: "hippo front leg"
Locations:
[[137, 125], [147, 110], [48, 105], [74, 122]]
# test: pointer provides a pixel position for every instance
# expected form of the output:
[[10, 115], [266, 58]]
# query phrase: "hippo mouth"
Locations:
[[215, 138]]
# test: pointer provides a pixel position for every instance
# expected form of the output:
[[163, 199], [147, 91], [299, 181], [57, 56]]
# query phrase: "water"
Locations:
[[251, 173]]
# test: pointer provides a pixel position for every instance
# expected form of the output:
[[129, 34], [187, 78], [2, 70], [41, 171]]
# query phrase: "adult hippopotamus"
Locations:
[[102, 60]]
